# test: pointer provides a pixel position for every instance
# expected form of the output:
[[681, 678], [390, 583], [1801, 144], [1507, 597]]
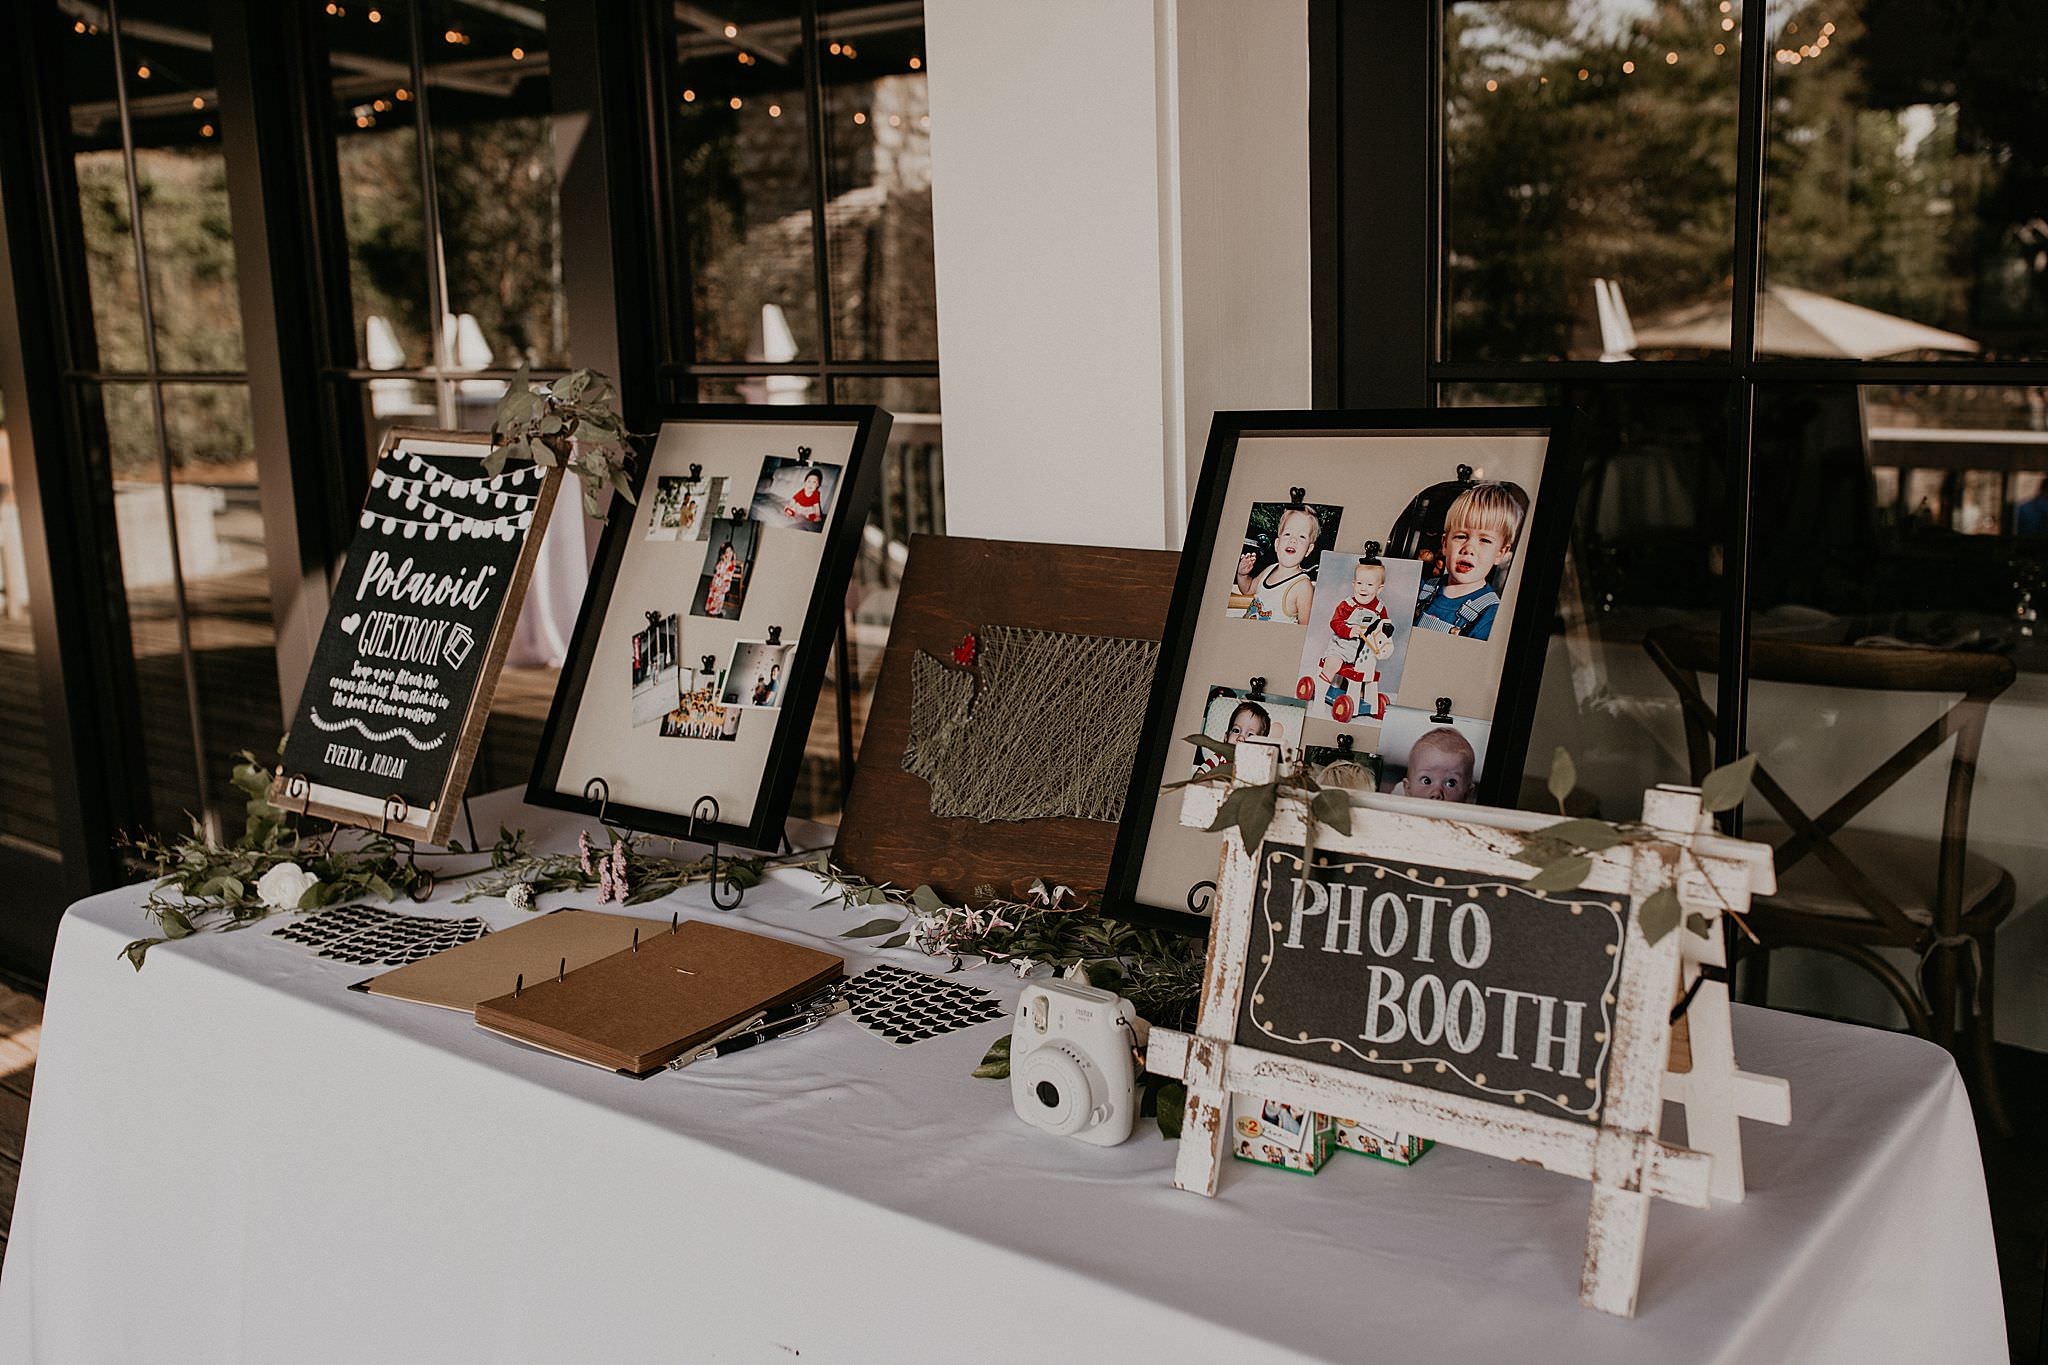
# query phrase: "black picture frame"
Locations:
[[822, 622], [1531, 617]]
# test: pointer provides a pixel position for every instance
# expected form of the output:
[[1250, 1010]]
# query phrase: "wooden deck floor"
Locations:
[[21, 1027]]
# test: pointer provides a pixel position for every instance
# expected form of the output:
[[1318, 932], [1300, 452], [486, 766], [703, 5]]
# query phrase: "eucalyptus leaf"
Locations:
[[1221, 746], [175, 924], [1564, 775], [1172, 1105], [1258, 814], [995, 1063], [1724, 788], [874, 928], [927, 900], [896, 942], [1699, 924], [1659, 915], [138, 950], [1566, 874], [1333, 808]]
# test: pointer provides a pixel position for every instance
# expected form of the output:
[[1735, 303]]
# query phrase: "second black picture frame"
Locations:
[[1265, 641], [734, 560]]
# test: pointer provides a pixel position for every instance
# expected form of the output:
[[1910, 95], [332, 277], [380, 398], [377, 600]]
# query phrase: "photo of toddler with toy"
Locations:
[[1357, 642]]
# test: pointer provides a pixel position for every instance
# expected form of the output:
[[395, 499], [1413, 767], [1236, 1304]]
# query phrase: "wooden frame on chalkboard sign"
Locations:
[[1413, 982], [423, 502], [1369, 492], [702, 738]]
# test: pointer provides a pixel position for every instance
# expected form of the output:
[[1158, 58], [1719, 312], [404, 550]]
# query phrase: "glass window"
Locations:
[[499, 212], [1906, 178], [377, 155], [1645, 556], [878, 182], [1589, 178], [27, 806], [744, 183]]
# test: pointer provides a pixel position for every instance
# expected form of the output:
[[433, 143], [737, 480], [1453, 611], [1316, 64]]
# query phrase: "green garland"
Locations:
[[204, 886]]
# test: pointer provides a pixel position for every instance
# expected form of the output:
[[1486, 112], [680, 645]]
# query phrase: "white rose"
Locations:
[[284, 886]]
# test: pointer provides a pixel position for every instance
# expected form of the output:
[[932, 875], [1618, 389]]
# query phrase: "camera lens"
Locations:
[[1048, 1094]]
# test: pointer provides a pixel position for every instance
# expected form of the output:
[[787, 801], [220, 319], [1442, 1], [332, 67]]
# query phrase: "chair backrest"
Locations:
[[1682, 655]]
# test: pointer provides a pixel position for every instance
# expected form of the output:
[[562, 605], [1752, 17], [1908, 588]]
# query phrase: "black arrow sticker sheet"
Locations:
[[370, 937], [907, 1007]]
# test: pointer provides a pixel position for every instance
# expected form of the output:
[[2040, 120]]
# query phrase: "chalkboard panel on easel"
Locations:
[[416, 634]]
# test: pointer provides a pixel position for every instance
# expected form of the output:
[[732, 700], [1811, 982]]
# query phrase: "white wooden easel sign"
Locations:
[[1401, 974]]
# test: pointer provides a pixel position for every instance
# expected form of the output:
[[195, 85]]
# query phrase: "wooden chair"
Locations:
[[1851, 891]]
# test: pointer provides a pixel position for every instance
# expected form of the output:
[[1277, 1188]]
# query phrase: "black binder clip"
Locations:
[[803, 454], [696, 471], [1443, 712], [1464, 473], [1344, 745], [1297, 497], [1257, 685], [775, 635]]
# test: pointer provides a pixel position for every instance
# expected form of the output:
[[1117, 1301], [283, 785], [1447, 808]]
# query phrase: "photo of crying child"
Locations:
[[1357, 642], [1430, 758], [1275, 575], [1482, 528]]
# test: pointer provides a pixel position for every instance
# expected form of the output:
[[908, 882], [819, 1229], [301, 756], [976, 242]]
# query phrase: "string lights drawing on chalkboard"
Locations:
[[416, 632]]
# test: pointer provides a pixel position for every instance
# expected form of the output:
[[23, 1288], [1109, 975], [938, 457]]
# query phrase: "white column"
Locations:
[[1120, 202]]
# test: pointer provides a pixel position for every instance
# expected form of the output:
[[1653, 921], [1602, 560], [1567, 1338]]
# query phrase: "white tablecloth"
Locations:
[[230, 1157]]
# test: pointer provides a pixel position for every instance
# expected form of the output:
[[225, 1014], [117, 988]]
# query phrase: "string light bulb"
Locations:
[[142, 73], [689, 97], [198, 102], [735, 101], [206, 130], [732, 30], [774, 111], [859, 118], [1628, 68], [401, 94], [375, 16], [1671, 59], [518, 54], [1492, 86], [915, 63]]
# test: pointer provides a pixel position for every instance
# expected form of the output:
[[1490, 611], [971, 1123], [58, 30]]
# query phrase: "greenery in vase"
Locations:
[[572, 421]]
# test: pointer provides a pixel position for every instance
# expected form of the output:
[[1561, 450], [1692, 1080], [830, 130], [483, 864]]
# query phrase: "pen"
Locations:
[[781, 1028]]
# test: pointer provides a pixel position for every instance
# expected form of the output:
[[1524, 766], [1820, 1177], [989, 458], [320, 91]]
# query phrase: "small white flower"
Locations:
[[520, 896], [1024, 966], [284, 886]]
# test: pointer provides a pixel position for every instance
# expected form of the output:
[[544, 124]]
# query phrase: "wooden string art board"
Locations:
[[1401, 974], [953, 586]]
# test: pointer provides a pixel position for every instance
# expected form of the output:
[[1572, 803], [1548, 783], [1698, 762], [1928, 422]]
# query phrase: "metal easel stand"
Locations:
[[726, 893], [397, 810]]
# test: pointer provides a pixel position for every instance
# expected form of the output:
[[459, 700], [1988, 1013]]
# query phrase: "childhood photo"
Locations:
[[700, 715], [728, 561], [794, 494], [758, 674], [1234, 714], [656, 676], [1432, 758], [1465, 559], [676, 508], [1342, 766], [1275, 575], [1359, 622]]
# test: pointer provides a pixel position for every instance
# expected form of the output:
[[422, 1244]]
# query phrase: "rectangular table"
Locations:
[[231, 1157]]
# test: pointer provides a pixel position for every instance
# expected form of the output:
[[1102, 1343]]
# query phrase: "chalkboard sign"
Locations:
[[1403, 975], [416, 632], [1467, 984]]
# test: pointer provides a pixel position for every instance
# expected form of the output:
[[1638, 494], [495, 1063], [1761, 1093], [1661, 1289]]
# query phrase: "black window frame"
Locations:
[[1378, 254]]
